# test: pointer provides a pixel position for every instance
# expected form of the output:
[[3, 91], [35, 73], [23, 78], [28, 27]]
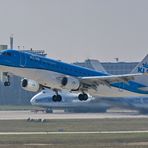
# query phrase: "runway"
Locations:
[[23, 115], [65, 133]]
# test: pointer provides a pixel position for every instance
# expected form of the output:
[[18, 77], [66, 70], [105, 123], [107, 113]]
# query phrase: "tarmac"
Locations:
[[23, 115], [66, 133]]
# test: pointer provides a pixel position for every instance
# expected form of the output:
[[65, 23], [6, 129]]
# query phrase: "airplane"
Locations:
[[41, 72], [69, 103]]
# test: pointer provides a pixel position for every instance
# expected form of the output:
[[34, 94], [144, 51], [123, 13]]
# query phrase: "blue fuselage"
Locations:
[[17, 59]]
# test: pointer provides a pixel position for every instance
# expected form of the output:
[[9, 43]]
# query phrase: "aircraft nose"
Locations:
[[38, 98], [33, 100]]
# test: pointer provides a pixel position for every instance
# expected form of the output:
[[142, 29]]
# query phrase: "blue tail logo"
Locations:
[[143, 69]]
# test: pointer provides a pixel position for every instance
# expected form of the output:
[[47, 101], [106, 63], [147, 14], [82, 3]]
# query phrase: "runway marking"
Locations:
[[85, 132]]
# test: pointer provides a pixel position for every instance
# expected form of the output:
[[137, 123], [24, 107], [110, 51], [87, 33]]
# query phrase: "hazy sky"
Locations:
[[73, 30]]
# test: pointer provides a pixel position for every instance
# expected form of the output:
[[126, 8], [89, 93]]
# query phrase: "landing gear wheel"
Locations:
[[83, 97], [54, 98], [57, 98], [6, 79], [80, 97], [6, 83]]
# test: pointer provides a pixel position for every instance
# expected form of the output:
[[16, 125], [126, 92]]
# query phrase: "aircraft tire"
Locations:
[[80, 97], [57, 98], [54, 98], [83, 97], [6, 83]]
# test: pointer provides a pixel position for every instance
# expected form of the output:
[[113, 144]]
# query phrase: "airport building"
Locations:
[[114, 68]]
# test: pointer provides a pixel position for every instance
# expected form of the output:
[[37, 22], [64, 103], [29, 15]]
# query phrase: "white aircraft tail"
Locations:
[[95, 65], [142, 67]]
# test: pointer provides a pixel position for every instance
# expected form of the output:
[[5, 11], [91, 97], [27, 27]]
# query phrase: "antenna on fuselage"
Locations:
[[11, 41]]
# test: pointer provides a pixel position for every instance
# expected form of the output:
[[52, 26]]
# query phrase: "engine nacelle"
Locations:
[[70, 83], [30, 85]]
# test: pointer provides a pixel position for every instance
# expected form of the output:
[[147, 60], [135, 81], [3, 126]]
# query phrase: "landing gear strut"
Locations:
[[83, 97]]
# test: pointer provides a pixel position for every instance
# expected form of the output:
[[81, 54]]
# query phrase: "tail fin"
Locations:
[[96, 65], [142, 67]]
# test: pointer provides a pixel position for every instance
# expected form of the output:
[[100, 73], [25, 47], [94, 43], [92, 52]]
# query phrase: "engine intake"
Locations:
[[64, 81], [24, 83], [30, 85], [70, 83]]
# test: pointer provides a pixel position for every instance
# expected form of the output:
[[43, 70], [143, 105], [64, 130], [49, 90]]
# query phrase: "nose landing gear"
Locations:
[[6, 83], [6, 79]]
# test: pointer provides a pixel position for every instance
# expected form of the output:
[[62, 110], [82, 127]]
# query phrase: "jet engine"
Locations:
[[30, 85], [70, 83]]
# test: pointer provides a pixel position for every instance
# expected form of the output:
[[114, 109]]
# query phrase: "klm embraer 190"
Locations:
[[41, 72]]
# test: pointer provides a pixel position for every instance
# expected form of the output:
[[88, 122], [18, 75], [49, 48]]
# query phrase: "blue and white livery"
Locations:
[[41, 72]]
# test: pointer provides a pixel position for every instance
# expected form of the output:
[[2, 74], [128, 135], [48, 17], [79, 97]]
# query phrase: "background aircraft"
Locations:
[[69, 103]]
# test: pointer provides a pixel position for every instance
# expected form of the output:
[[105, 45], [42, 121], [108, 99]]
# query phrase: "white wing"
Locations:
[[108, 80]]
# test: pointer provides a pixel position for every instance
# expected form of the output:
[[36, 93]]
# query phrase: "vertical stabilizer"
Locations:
[[95, 64], [142, 67]]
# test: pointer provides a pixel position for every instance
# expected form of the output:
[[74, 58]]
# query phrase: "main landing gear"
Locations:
[[56, 97], [83, 97]]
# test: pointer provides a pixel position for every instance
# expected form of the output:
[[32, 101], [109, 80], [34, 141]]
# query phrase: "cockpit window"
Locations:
[[6, 53]]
